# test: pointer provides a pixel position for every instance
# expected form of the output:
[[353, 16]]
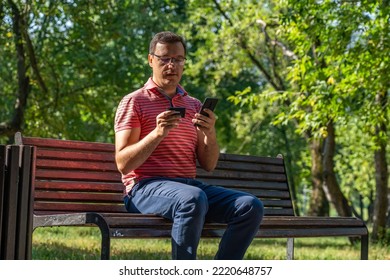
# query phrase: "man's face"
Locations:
[[167, 72]]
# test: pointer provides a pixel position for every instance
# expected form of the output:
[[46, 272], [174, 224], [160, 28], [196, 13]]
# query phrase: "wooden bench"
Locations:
[[76, 183]]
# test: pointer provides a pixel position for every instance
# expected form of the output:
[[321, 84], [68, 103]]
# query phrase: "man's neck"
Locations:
[[170, 92]]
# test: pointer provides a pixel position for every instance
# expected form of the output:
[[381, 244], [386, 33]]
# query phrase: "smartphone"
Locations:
[[179, 110], [209, 103]]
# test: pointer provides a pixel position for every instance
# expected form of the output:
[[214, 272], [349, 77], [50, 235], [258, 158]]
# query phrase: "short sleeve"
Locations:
[[127, 114]]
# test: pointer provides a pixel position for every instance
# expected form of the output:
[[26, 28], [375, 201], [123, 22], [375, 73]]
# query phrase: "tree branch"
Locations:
[[286, 51], [277, 86], [32, 56]]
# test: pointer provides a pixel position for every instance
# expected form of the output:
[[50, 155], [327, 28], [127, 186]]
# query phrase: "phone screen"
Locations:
[[210, 104], [179, 110]]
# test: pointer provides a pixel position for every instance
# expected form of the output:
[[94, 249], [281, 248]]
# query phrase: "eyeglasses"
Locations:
[[165, 59]]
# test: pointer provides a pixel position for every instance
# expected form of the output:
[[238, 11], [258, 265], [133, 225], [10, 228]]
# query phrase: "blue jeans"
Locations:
[[188, 203]]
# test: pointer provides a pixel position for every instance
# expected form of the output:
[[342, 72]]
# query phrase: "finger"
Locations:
[[201, 123], [210, 113]]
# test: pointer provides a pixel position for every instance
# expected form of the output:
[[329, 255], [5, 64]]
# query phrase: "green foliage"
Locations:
[[225, 36], [338, 76], [89, 56], [341, 48], [282, 69]]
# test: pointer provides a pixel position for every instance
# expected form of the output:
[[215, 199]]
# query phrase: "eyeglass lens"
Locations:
[[166, 60]]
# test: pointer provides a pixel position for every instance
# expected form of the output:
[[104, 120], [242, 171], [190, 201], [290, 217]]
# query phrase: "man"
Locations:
[[156, 152]]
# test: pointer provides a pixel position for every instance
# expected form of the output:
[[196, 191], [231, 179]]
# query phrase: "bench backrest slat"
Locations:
[[81, 175], [92, 165], [74, 176], [50, 207], [79, 186]]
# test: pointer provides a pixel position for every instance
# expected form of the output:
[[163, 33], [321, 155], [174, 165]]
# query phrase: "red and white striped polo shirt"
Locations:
[[175, 156]]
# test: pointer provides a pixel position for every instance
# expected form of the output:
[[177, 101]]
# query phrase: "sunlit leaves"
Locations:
[[89, 55]]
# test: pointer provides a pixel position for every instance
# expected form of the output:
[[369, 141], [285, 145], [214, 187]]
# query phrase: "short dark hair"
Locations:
[[166, 37]]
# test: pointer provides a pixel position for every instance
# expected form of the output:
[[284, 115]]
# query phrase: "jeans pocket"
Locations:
[[130, 207], [131, 193]]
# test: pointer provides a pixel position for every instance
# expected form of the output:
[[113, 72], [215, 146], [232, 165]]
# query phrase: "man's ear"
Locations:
[[150, 58]]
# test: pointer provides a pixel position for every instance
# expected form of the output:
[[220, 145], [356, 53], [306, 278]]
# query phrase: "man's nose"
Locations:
[[171, 63]]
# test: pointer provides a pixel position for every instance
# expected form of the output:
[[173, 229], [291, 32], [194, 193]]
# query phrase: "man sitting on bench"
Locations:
[[156, 152]]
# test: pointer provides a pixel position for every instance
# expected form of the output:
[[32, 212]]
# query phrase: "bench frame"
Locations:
[[49, 184], [15, 202]]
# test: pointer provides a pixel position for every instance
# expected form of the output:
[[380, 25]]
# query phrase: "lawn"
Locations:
[[83, 243]]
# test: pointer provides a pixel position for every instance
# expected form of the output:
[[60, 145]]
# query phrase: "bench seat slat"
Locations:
[[278, 222], [265, 233], [314, 232]]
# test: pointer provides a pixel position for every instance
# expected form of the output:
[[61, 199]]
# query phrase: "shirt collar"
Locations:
[[151, 85]]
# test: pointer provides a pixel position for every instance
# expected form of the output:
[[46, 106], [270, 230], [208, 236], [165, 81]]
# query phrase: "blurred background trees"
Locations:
[[308, 79]]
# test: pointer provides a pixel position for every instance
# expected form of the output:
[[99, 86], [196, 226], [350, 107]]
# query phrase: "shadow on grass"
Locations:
[[59, 251], [260, 249], [339, 242]]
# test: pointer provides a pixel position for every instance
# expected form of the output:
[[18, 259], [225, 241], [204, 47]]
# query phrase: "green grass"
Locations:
[[83, 243]]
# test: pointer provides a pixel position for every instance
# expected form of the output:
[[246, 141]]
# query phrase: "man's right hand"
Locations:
[[131, 152], [166, 121]]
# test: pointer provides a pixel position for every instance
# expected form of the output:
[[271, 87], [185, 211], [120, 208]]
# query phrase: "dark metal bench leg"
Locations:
[[11, 195], [290, 248], [25, 207], [364, 247], [105, 254], [98, 220], [3, 163]]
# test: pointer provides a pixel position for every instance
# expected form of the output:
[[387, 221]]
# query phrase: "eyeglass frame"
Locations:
[[167, 60]]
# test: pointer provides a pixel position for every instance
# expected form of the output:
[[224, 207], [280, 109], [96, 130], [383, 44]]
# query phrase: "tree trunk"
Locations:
[[388, 209], [318, 204], [9, 128], [331, 186], [381, 180], [381, 202]]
